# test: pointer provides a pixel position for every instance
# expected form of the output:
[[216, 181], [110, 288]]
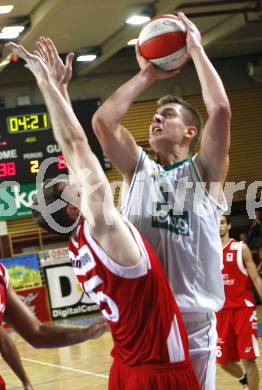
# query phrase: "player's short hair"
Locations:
[[191, 115], [52, 193], [227, 219]]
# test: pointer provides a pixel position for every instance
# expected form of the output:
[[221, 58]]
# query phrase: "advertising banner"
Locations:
[[23, 270], [54, 256], [36, 300], [16, 201], [66, 297]]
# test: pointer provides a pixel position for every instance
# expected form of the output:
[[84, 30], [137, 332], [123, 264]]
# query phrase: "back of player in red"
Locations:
[[139, 305]]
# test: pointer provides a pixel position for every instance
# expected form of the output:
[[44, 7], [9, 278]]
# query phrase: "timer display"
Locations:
[[18, 124]]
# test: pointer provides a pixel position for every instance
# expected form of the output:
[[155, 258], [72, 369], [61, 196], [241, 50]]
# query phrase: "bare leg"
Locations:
[[233, 369], [252, 373]]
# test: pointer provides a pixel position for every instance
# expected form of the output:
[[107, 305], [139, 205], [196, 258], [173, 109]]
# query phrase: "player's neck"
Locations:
[[172, 157], [225, 240]]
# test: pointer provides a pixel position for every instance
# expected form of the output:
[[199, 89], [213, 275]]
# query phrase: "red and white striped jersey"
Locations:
[[137, 301], [237, 283], [4, 282]]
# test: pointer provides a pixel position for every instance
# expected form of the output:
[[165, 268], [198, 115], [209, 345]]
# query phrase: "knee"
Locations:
[[249, 363], [226, 366]]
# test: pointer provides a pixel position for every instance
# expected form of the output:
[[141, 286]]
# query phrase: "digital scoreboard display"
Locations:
[[19, 124], [23, 163], [26, 140]]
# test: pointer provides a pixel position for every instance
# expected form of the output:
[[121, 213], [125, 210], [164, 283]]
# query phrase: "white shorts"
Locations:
[[202, 338]]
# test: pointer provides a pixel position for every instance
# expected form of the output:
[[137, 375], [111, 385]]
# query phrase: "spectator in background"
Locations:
[[254, 235], [243, 237]]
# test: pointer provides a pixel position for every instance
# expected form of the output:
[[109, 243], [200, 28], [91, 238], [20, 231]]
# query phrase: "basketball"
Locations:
[[163, 41]]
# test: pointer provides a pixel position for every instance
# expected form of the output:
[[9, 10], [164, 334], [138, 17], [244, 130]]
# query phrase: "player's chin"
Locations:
[[158, 142]]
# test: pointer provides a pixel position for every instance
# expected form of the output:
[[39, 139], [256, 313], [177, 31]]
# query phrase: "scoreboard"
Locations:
[[26, 140], [22, 162]]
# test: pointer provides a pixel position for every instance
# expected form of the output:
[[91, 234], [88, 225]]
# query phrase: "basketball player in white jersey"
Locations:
[[237, 321], [188, 245], [115, 266], [183, 230]]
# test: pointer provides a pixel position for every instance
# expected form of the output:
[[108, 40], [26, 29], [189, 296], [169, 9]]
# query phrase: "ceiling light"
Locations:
[[132, 42], [18, 29], [137, 19], [9, 35], [86, 58], [4, 63], [11, 32], [5, 9]]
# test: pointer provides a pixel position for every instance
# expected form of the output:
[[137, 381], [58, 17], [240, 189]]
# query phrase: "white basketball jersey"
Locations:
[[180, 219]]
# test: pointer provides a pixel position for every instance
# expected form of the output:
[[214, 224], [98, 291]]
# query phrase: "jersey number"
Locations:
[[100, 297], [219, 352]]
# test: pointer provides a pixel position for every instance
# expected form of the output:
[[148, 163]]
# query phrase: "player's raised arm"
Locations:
[[96, 205], [116, 141], [213, 155], [251, 269]]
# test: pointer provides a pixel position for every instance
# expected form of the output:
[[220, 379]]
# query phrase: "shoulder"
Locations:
[[233, 245]]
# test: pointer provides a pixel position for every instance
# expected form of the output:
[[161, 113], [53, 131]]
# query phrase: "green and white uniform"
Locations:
[[171, 208]]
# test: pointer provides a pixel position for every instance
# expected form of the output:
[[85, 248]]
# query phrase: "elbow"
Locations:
[[35, 337], [221, 111], [99, 124], [37, 345]]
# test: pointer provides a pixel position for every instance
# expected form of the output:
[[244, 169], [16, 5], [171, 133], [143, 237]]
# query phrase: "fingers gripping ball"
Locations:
[[163, 41]]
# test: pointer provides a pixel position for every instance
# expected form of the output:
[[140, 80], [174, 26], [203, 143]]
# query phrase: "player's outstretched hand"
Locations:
[[193, 39], [59, 72], [150, 70], [98, 328], [33, 62]]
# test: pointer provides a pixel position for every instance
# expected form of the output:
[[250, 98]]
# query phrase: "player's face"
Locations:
[[167, 127], [224, 226]]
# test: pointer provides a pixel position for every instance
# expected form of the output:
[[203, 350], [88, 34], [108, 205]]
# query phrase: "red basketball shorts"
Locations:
[[237, 335], [173, 376], [2, 384]]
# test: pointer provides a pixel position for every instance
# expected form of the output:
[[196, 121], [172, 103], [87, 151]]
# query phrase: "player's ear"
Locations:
[[72, 211], [191, 132]]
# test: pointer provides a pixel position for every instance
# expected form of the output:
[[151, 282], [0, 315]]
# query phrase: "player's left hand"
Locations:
[[193, 39], [98, 328], [33, 62], [60, 73], [150, 70]]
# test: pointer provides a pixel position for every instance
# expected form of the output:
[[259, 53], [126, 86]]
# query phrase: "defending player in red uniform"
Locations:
[[115, 266], [39, 335], [237, 321]]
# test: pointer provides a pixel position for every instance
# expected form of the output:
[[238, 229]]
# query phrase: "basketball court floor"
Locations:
[[83, 366]]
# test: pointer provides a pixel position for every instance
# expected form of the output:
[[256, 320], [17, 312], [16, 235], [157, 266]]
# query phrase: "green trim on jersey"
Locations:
[[175, 165]]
